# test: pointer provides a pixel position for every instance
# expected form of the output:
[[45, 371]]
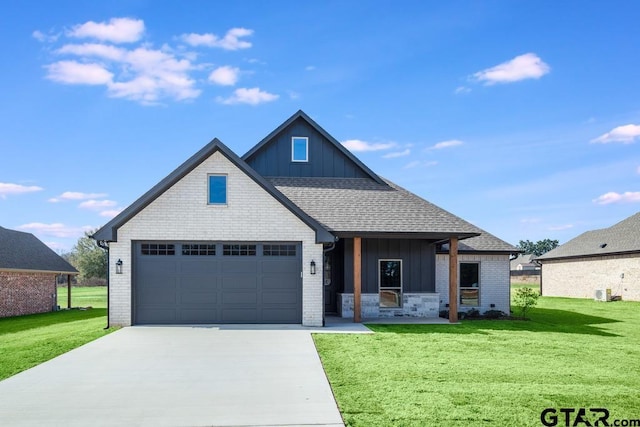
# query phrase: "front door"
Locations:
[[330, 284]]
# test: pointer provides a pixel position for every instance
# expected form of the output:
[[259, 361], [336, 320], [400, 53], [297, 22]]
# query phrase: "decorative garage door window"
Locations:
[[279, 250], [390, 279], [157, 249], [198, 249], [239, 250]]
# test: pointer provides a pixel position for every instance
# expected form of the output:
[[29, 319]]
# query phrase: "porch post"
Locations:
[[68, 291], [357, 278], [453, 280]]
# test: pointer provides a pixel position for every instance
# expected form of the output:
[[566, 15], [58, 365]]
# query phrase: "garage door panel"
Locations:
[[240, 282], [190, 287]]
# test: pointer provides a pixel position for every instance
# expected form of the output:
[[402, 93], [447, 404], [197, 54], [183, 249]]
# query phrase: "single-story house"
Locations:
[[296, 229], [524, 262], [585, 267], [28, 270]]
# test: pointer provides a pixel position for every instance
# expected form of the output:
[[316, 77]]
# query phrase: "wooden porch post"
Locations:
[[453, 280], [68, 291], [357, 278]]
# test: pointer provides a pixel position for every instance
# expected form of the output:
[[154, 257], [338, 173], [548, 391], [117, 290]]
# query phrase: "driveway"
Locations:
[[177, 376]]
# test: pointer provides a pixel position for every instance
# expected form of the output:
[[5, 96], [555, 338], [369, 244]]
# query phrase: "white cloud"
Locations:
[[75, 195], [72, 72], [42, 37], [224, 76], [252, 96], [626, 134], [7, 188], [356, 145], [446, 144], [57, 247], [613, 197], [104, 51], [416, 163], [230, 41], [55, 229], [461, 90], [560, 227], [117, 30], [110, 213], [97, 205], [527, 66], [397, 154], [638, 170]]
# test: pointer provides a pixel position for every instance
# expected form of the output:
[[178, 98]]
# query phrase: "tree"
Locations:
[[88, 258], [526, 298], [538, 248]]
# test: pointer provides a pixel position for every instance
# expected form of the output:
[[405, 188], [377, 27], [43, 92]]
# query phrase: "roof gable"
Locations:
[[623, 237], [109, 232], [24, 251], [327, 157]]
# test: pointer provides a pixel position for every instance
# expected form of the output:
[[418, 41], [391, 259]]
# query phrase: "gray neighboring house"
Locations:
[[524, 262], [296, 229], [594, 261], [28, 270]]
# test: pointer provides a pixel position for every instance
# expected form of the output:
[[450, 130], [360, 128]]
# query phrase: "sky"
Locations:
[[522, 117]]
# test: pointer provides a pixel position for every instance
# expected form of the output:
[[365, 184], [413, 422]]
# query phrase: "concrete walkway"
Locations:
[[178, 376]]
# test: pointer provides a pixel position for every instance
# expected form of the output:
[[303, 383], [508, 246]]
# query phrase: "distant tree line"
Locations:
[[89, 259], [538, 248]]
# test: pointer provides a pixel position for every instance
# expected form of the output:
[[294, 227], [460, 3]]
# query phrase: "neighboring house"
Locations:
[[595, 261], [295, 229], [524, 262], [28, 270]]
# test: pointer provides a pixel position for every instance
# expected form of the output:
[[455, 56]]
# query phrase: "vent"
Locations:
[[603, 295]]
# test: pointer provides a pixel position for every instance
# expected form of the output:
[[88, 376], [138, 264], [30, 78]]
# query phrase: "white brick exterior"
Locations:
[[580, 277], [182, 213], [494, 281]]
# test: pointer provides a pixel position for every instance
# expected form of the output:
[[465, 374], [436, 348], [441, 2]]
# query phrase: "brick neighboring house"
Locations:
[[596, 260], [296, 229], [28, 270]]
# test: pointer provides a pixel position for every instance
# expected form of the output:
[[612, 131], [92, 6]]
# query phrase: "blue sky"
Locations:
[[521, 117]]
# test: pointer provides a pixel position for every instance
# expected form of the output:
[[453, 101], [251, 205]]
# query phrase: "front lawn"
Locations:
[[27, 341], [573, 353], [83, 296]]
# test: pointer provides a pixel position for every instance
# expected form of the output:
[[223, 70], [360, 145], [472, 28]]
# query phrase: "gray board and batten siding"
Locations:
[[418, 263], [214, 282]]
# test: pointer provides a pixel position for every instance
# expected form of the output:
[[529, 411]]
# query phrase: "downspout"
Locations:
[[325, 250], [104, 245]]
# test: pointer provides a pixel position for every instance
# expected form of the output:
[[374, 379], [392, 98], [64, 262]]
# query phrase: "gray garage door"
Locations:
[[213, 282]]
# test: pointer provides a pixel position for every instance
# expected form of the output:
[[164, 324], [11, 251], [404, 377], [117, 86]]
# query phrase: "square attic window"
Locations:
[[299, 149]]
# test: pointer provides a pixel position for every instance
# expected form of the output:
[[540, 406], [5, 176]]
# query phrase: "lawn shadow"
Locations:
[[542, 320], [11, 325]]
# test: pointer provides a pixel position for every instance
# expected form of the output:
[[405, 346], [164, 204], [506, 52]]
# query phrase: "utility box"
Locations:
[[602, 295]]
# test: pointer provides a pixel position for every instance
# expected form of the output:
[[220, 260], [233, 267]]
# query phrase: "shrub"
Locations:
[[526, 298], [494, 314]]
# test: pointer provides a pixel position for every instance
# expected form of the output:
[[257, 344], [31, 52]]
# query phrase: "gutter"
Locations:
[[104, 245]]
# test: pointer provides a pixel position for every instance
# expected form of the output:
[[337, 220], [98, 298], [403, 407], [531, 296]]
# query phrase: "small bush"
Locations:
[[526, 298], [494, 314], [472, 314]]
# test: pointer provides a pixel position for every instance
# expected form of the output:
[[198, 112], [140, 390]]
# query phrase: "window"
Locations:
[[299, 149], [217, 189], [470, 284], [279, 250], [157, 249], [198, 249], [239, 250], [390, 281]]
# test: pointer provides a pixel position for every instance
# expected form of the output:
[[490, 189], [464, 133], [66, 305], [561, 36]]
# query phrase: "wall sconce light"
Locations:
[[492, 305], [119, 266], [313, 267]]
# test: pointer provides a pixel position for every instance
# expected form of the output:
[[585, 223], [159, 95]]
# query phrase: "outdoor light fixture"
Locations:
[[313, 267], [119, 266]]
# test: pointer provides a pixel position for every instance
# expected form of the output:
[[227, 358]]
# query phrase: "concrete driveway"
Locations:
[[177, 376]]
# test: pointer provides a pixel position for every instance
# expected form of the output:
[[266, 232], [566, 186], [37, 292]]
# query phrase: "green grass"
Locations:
[[27, 341], [573, 353], [90, 296]]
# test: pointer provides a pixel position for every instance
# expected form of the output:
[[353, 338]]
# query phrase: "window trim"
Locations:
[[460, 288], [381, 288], [226, 189], [306, 146]]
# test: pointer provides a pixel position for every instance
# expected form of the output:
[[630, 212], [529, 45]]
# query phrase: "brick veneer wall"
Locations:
[[580, 277], [182, 213], [26, 293]]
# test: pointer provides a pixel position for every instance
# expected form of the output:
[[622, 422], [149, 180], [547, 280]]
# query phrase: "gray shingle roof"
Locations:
[[622, 237], [349, 206], [23, 251]]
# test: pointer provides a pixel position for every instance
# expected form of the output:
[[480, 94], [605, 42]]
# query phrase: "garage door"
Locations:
[[214, 282]]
